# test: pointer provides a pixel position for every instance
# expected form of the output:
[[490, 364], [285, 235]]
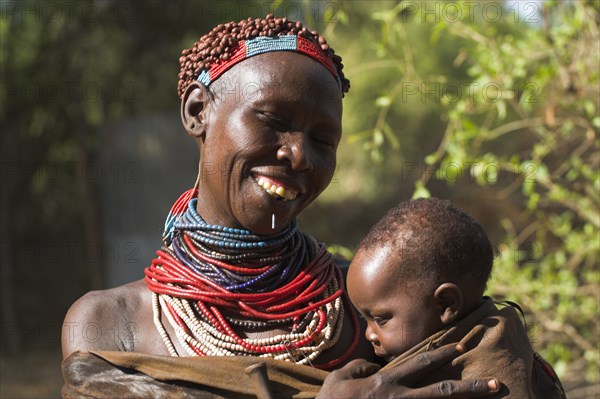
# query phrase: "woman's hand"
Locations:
[[361, 379]]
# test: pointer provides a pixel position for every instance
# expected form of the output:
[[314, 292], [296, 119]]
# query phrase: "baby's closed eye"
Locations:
[[380, 321]]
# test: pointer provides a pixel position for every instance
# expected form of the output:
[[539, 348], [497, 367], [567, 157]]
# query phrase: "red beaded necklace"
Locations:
[[311, 304]]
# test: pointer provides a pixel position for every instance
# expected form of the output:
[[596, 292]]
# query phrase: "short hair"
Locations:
[[218, 43], [439, 243]]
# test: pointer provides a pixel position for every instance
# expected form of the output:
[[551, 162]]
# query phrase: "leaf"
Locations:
[[501, 108], [389, 134], [420, 191], [383, 101], [341, 251], [359, 136], [377, 138], [376, 156], [430, 159]]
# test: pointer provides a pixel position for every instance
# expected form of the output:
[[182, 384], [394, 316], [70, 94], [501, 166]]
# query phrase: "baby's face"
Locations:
[[396, 318]]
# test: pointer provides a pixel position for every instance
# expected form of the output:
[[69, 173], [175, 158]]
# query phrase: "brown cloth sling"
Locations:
[[496, 342], [138, 375], [497, 346]]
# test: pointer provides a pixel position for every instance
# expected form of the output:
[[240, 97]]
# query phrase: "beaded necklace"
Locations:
[[208, 279]]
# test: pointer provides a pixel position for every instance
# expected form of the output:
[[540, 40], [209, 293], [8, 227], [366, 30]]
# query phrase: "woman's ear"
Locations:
[[450, 301], [194, 104]]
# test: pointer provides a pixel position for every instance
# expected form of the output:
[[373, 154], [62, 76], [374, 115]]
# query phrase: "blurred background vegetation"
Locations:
[[491, 104]]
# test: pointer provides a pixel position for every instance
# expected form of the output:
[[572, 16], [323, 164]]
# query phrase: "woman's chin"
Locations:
[[267, 224], [269, 213]]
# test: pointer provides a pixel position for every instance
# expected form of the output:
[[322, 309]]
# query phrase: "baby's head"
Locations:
[[424, 265]]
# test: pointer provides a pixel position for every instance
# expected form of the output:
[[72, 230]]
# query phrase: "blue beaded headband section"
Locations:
[[263, 44]]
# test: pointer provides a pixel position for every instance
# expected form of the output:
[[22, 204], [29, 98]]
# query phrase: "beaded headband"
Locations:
[[245, 49]]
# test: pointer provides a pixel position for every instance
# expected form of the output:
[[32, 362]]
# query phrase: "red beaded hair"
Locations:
[[222, 43]]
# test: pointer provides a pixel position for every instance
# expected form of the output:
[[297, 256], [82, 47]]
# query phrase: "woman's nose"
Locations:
[[296, 150]]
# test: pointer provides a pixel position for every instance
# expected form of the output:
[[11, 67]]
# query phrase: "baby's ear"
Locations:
[[450, 301]]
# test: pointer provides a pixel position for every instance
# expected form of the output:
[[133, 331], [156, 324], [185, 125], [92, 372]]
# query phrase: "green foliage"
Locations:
[[522, 123], [69, 69]]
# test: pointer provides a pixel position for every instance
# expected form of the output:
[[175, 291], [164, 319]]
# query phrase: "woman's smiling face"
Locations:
[[270, 140]]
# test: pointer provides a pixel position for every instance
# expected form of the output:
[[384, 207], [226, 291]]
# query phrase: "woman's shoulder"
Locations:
[[105, 319]]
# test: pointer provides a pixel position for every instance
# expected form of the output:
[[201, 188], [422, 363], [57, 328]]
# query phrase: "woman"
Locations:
[[263, 101]]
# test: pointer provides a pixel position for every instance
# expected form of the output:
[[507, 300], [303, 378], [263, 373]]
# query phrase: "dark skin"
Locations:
[[263, 121], [398, 317], [401, 312], [277, 116], [278, 132], [362, 379]]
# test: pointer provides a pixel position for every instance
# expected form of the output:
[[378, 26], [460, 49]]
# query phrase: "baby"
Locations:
[[418, 280]]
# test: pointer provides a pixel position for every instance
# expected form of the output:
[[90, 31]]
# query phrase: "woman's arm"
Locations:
[[361, 379], [86, 324], [109, 320]]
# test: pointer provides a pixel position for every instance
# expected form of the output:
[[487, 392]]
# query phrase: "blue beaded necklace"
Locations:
[[286, 251]]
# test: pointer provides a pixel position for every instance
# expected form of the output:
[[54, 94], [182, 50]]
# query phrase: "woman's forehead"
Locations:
[[284, 75]]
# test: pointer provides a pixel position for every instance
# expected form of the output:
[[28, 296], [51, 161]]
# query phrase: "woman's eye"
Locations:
[[272, 120], [322, 141]]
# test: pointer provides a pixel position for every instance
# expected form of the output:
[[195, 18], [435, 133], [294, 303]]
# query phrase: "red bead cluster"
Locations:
[[219, 43]]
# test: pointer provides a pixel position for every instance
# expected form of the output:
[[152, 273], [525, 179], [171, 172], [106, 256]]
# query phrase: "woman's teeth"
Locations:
[[276, 191]]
